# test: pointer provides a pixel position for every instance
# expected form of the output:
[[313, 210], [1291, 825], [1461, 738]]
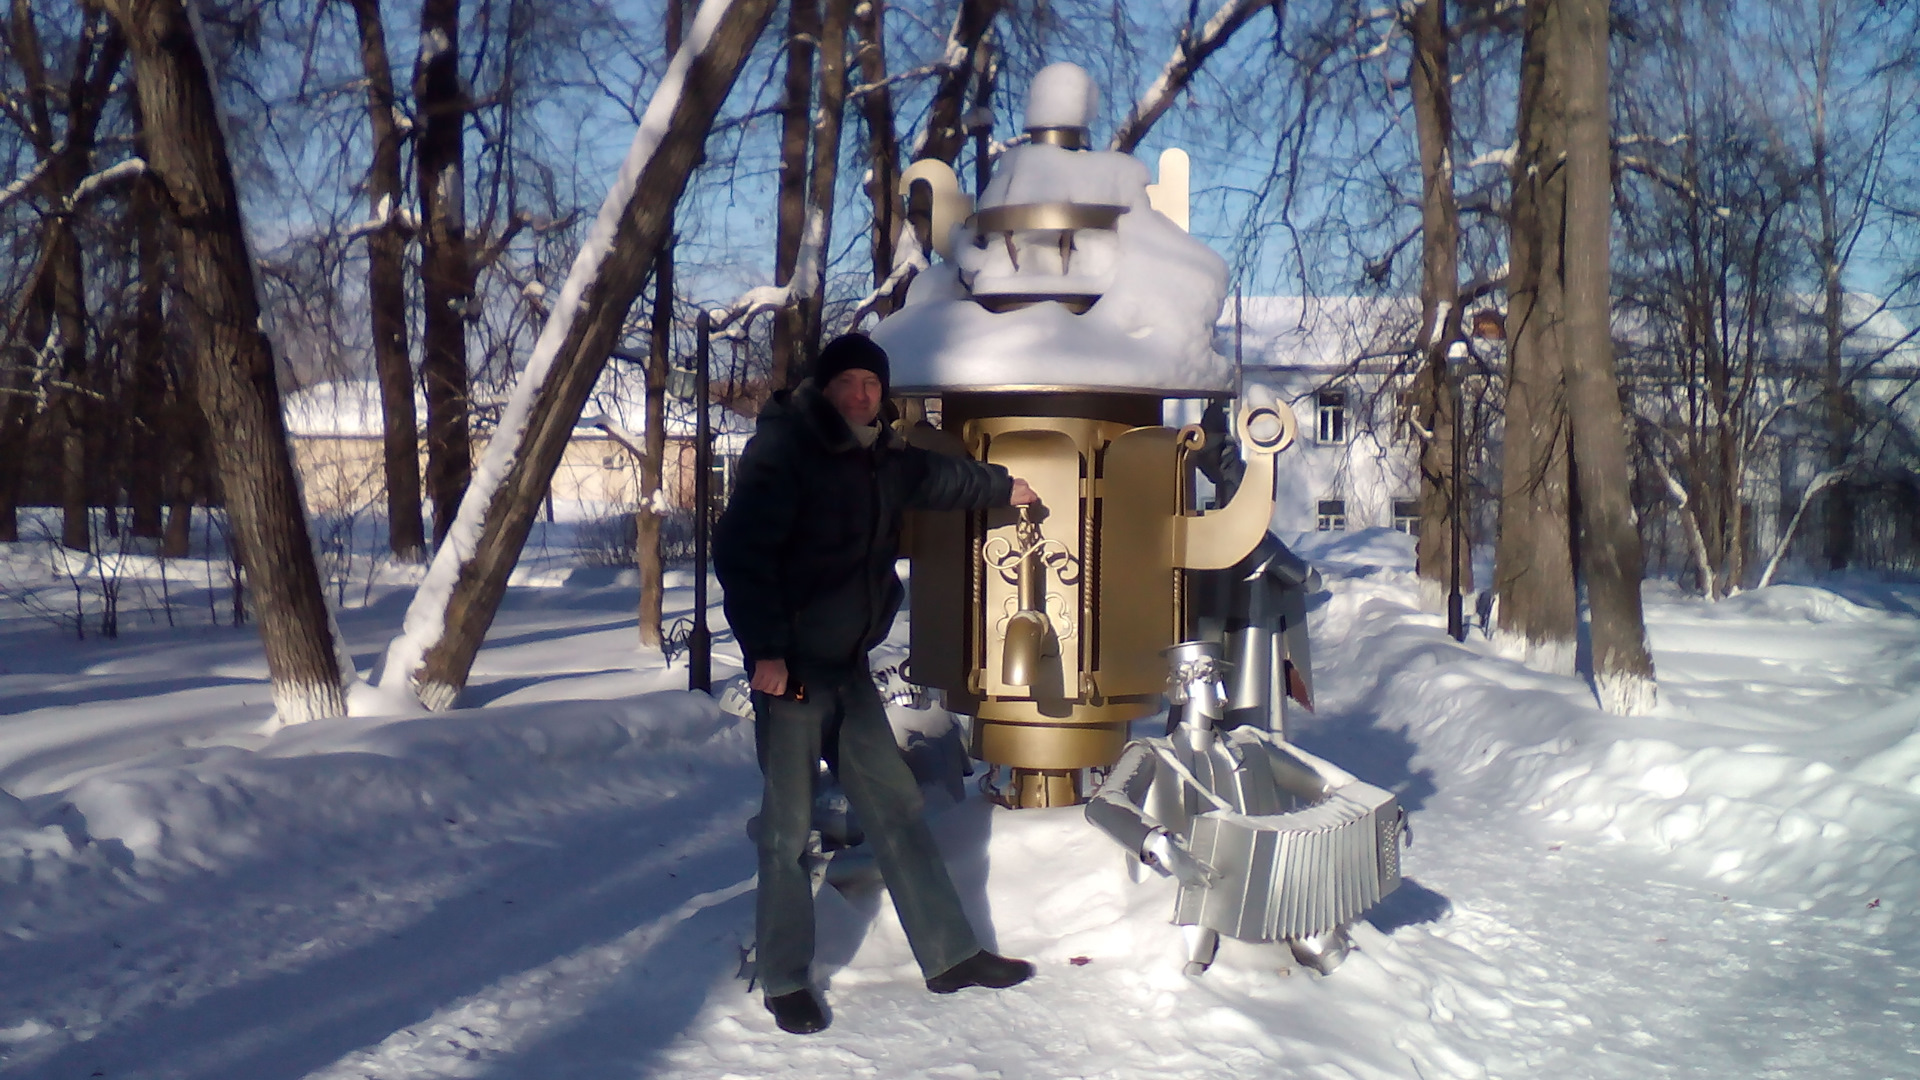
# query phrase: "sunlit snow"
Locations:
[[556, 882]]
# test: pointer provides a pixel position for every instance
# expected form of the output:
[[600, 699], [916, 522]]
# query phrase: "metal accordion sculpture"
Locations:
[[1297, 848], [1296, 873]]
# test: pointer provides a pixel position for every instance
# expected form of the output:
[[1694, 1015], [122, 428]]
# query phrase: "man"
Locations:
[[805, 552]]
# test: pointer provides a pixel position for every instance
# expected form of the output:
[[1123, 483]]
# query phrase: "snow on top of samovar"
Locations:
[[1065, 277]]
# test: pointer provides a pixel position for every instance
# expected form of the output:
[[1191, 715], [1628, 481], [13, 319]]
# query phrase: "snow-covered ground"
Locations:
[[556, 881]]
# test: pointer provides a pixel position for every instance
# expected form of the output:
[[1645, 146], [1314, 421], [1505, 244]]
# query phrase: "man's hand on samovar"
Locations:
[[1022, 494], [1164, 853]]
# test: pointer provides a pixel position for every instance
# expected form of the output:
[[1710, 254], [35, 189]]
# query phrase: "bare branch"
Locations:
[[1189, 53]]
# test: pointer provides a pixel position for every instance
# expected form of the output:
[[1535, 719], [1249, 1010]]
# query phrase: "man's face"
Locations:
[[855, 393]]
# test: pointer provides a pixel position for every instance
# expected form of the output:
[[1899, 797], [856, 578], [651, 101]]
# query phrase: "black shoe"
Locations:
[[798, 1013], [981, 969]]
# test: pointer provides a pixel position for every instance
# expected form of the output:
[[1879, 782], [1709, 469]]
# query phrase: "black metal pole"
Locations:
[[700, 641], [1456, 615]]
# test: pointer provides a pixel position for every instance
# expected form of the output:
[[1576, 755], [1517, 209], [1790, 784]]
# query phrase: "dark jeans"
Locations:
[[883, 793]]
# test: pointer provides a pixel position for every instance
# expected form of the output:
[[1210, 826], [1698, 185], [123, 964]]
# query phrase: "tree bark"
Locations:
[[796, 113], [1437, 391], [883, 148], [652, 564], [233, 360], [504, 513], [387, 295], [148, 445], [1610, 555], [946, 117], [827, 124], [446, 274], [1533, 561]]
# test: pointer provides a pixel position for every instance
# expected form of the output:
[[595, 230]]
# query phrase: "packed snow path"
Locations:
[[558, 884]]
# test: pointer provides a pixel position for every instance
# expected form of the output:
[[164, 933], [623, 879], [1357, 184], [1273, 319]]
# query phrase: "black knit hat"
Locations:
[[850, 351]]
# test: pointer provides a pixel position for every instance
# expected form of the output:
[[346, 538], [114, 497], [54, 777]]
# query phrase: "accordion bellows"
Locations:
[[1300, 845]]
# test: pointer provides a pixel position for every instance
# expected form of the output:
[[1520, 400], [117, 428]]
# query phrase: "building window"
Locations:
[[1333, 415], [1406, 516], [1333, 515]]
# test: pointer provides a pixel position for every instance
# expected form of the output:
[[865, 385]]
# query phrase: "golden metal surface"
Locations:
[[1019, 217], [1101, 574], [1037, 789], [1072, 138], [1016, 711], [1217, 540], [1063, 746], [1043, 406], [1050, 462], [1138, 501]]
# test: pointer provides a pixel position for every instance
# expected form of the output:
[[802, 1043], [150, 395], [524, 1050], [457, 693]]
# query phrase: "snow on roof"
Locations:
[[1321, 333], [351, 408]]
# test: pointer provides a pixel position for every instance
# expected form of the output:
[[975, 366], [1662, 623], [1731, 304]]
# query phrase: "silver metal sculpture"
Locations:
[[1269, 842]]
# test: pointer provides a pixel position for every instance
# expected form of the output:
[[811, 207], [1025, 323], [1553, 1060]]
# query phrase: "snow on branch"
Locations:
[[924, 71], [384, 215], [1820, 483], [1503, 158], [908, 260], [425, 625], [1189, 53], [19, 187], [731, 322], [113, 174]]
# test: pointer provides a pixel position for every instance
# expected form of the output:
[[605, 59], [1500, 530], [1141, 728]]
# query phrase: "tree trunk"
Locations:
[[1437, 392], [68, 159], [70, 409], [946, 116], [450, 615], [655, 502], [882, 146], [148, 446], [654, 505], [387, 295], [1533, 562], [827, 123], [789, 323], [1610, 555], [233, 360], [446, 276]]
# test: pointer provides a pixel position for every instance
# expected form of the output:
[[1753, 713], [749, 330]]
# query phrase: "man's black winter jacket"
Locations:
[[806, 547]]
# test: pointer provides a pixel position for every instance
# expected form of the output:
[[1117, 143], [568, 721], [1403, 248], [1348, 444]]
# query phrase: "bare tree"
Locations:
[[883, 149], [946, 126], [1610, 555], [387, 292], [234, 376], [450, 615], [57, 294], [1430, 77], [652, 564], [446, 265], [823, 179], [1533, 562], [1194, 46], [789, 326]]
